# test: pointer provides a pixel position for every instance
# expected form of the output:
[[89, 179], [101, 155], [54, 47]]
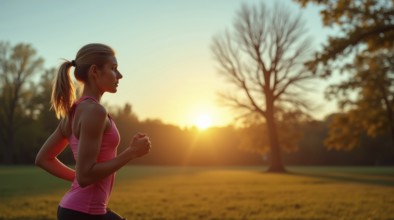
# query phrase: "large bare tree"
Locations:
[[17, 66], [262, 58]]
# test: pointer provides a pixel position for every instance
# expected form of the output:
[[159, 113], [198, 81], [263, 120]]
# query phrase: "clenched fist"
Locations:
[[140, 145]]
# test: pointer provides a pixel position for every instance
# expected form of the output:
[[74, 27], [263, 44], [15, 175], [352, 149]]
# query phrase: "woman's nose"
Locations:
[[120, 76]]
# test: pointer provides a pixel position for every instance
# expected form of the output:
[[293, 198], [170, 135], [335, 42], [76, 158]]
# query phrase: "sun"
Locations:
[[203, 121]]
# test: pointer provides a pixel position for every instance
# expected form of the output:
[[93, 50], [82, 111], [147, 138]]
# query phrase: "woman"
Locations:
[[91, 133]]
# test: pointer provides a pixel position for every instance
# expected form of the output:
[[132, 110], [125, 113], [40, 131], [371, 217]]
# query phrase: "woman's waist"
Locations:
[[92, 196]]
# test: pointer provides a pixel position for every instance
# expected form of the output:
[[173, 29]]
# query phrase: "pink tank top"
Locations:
[[92, 199]]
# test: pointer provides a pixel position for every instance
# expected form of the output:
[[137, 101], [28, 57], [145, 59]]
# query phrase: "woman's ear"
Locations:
[[93, 71]]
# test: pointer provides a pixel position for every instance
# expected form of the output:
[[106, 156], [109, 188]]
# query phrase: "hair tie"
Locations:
[[73, 63]]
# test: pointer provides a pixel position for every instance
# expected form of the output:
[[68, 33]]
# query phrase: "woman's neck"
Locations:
[[92, 93]]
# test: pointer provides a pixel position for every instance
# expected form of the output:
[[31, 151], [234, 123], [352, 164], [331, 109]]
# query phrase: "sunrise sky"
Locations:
[[163, 48]]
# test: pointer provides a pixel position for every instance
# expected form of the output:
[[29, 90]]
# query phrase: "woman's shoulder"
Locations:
[[90, 108]]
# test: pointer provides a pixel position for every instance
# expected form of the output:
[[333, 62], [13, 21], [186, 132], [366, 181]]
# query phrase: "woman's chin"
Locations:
[[113, 90]]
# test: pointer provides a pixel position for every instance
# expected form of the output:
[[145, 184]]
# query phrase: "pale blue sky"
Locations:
[[163, 47]]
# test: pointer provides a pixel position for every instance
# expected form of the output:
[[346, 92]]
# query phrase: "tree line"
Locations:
[[26, 122], [265, 58]]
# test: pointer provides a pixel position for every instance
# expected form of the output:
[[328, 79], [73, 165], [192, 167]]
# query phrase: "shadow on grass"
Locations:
[[345, 175]]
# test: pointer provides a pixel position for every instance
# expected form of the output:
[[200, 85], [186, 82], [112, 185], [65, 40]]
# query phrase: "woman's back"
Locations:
[[93, 198]]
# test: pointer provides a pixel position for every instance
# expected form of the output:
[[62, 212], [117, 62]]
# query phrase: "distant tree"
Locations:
[[42, 103], [17, 66], [127, 122], [262, 58], [363, 24]]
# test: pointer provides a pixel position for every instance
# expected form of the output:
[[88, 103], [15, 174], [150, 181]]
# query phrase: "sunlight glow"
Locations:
[[203, 122]]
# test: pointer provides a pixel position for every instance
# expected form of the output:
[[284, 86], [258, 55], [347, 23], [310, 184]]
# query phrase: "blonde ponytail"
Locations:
[[63, 91]]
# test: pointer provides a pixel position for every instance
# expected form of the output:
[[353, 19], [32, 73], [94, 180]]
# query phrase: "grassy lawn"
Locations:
[[215, 193]]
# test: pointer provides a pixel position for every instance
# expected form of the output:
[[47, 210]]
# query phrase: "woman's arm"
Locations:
[[47, 156], [92, 126]]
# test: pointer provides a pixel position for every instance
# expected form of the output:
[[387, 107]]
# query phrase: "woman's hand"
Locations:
[[140, 145]]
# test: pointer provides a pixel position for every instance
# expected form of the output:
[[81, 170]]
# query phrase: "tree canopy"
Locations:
[[362, 24], [366, 35]]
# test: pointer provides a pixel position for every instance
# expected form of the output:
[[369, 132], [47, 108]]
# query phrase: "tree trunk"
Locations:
[[389, 112], [8, 157], [275, 159], [8, 150], [390, 118]]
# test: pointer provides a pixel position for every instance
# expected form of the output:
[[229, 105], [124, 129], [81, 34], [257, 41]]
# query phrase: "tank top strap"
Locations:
[[74, 106], [83, 98]]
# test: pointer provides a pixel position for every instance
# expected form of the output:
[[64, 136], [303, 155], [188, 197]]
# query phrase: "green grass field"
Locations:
[[155, 193]]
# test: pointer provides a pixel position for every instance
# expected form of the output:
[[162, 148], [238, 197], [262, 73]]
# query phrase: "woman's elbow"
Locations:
[[43, 161], [39, 161], [82, 184], [82, 180]]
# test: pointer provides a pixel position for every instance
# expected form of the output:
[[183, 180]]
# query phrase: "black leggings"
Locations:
[[69, 214]]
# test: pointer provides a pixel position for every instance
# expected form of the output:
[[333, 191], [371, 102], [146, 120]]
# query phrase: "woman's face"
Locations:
[[108, 77]]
